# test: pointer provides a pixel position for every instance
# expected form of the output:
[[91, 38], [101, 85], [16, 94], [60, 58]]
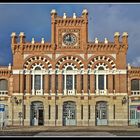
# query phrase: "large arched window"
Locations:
[[69, 81], [101, 81], [37, 81]]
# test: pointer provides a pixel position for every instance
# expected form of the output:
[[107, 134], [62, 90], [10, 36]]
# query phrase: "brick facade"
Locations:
[[53, 58]]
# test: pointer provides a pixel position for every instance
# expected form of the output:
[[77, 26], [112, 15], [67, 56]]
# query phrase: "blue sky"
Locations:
[[104, 20]]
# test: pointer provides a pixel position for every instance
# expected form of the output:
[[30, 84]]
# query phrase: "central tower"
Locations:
[[69, 32]]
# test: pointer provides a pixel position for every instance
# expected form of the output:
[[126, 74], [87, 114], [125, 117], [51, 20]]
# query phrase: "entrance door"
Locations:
[[134, 115], [40, 117], [69, 113], [101, 113], [37, 113]]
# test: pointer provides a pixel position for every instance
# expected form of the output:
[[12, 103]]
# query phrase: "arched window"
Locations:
[[101, 81], [37, 68], [37, 81], [69, 81], [101, 68], [69, 68], [3, 85]]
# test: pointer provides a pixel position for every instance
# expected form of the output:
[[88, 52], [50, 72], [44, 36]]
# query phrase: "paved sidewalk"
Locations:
[[71, 128]]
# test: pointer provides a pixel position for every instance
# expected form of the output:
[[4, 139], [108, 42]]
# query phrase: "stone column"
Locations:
[[46, 115], [92, 114], [27, 116], [60, 116], [110, 114], [85, 112], [52, 121], [78, 113]]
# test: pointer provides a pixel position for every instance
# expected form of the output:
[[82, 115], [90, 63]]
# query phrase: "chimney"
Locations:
[[22, 37], [13, 38], [64, 16], [125, 38], [74, 16], [96, 40], [53, 13], [42, 41], [116, 37], [106, 41], [33, 41], [85, 13]]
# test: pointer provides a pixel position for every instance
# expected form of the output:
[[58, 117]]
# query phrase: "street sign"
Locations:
[[2, 106], [2, 109]]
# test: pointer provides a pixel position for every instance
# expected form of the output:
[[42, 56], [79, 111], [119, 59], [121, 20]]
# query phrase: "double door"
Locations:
[[69, 113], [101, 113], [37, 114]]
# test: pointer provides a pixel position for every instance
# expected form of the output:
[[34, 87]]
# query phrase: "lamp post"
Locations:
[[14, 100], [124, 100]]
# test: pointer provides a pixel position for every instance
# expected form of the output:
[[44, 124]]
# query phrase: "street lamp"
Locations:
[[124, 100], [14, 99], [17, 101]]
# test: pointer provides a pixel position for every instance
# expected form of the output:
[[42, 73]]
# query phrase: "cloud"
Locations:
[[136, 61], [104, 21]]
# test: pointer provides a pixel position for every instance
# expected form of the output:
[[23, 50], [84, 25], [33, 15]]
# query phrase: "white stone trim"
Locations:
[[26, 55], [82, 71], [108, 72], [119, 94], [17, 94], [57, 55], [89, 55], [82, 55], [27, 94], [49, 55], [18, 71], [52, 94]]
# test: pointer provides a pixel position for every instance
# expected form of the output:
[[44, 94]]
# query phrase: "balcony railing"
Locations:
[[135, 92], [69, 92], [37, 92], [3, 92], [101, 92]]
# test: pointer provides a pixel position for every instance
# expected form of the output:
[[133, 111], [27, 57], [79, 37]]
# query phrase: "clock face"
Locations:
[[69, 39]]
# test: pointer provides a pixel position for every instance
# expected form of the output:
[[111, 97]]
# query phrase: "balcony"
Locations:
[[101, 92], [3, 92], [135, 92], [37, 92], [70, 92]]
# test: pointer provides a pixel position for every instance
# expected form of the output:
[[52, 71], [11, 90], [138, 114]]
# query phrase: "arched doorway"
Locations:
[[101, 113], [37, 113], [69, 113]]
